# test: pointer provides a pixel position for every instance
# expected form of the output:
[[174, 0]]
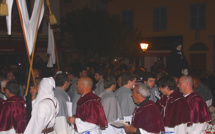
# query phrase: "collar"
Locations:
[[143, 102]]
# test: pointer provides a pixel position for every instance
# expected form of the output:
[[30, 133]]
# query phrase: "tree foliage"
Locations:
[[96, 32]]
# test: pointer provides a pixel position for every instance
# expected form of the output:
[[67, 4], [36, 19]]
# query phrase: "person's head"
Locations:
[[62, 81], [99, 75], [128, 80], [10, 76], [167, 85], [110, 83], [140, 93], [83, 72], [3, 84], [185, 84], [33, 89], [12, 89], [119, 81], [84, 85], [149, 79], [161, 74], [178, 44], [72, 74], [36, 73], [196, 82], [46, 88]]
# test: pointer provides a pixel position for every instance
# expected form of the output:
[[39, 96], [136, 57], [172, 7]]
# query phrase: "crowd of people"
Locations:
[[101, 100]]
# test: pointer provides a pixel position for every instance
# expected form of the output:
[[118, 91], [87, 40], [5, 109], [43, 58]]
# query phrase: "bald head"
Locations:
[[87, 81], [84, 85], [186, 84], [188, 79]]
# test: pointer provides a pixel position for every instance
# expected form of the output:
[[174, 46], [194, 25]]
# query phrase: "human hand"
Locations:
[[130, 129], [71, 120]]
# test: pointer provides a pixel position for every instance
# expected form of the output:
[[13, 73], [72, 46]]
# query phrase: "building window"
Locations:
[[198, 16], [160, 19], [128, 18]]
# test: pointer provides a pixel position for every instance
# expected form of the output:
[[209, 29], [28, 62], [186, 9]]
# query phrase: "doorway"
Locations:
[[198, 62]]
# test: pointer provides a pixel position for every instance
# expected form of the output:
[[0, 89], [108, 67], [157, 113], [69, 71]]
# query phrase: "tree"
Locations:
[[96, 32]]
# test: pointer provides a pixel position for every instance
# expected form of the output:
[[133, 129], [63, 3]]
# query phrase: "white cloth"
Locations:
[[8, 18], [43, 111], [11, 131], [112, 130], [209, 102], [30, 25], [127, 119], [61, 126], [142, 131], [197, 128], [84, 127], [51, 47], [180, 129]]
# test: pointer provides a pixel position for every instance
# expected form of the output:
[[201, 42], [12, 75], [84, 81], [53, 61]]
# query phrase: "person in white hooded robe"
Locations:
[[44, 110]]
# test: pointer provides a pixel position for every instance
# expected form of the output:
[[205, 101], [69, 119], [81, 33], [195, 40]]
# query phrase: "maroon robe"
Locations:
[[177, 109], [1, 104], [148, 117], [13, 115], [199, 110], [89, 109]]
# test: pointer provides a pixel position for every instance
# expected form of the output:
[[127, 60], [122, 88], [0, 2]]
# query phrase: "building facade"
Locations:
[[192, 21]]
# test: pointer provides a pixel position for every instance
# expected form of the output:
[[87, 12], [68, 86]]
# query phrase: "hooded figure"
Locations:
[[177, 64], [44, 109]]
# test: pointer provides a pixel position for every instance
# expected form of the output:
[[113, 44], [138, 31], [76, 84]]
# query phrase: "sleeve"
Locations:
[[131, 105]]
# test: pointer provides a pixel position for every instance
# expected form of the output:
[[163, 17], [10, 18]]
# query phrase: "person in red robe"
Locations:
[[13, 114], [146, 117], [173, 107], [199, 115], [1, 104], [90, 116]]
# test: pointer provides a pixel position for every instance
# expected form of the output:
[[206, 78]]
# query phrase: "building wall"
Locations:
[[178, 22]]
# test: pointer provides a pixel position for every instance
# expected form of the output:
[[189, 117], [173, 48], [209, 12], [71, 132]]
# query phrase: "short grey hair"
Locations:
[[144, 90]]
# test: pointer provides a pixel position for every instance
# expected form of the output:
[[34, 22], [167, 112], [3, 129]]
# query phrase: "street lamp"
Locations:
[[144, 46]]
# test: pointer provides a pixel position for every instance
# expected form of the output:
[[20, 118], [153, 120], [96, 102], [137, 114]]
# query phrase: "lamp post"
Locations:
[[144, 47]]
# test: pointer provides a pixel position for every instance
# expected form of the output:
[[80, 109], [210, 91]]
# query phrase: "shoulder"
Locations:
[[48, 103]]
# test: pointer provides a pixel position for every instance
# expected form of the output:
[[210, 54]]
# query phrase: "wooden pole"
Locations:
[[20, 16], [56, 52], [32, 56]]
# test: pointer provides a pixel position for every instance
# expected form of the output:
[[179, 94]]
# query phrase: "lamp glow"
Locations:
[[144, 46]]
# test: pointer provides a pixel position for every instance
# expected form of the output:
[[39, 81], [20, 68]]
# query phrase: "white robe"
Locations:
[[197, 128], [86, 128], [44, 110], [142, 131], [180, 129]]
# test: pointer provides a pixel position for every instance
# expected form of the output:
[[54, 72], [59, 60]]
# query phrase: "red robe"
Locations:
[[13, 115], [148, 117], [177, 109], [199, 110], [1, 104], [89, 109]]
